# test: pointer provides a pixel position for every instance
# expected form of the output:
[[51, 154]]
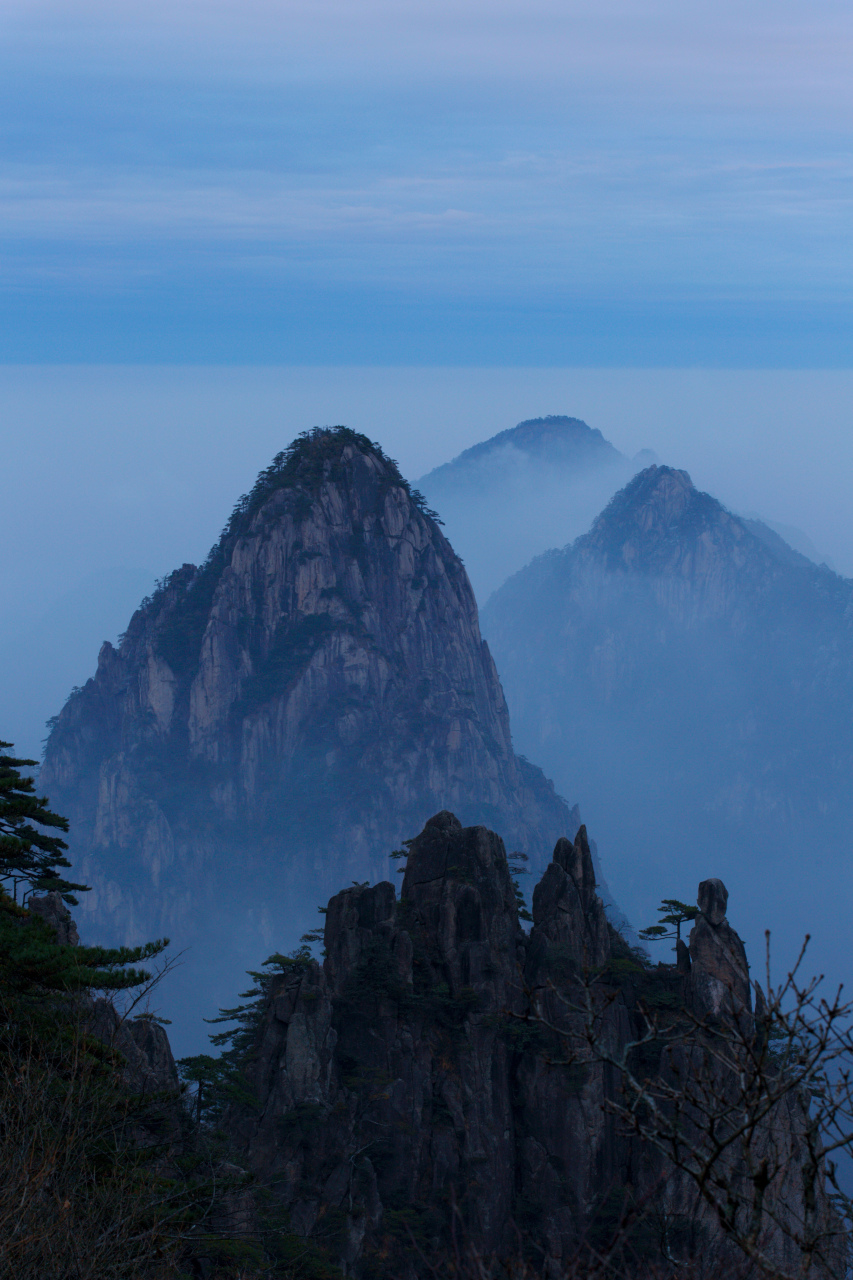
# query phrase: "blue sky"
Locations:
[[356, 182]]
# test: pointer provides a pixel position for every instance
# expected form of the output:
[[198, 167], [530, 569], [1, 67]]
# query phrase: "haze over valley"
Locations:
[[674, 722]]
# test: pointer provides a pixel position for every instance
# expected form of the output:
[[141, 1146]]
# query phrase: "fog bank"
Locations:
[[116, 475]]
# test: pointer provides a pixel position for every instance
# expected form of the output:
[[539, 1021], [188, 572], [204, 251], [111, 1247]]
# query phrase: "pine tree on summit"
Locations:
[[27, 855]]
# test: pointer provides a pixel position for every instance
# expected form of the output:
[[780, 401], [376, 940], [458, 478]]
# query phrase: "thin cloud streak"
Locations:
[[511, 154], [711, 53], [533, 204]]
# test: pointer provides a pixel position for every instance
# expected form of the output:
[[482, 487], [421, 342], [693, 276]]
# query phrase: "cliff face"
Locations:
[[693, 676], [408, 1088], [277, 721]]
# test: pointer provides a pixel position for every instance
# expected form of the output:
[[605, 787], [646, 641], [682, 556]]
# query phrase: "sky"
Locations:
[[359, 182]]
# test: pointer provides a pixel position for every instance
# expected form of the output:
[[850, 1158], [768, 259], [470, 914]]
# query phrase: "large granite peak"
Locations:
[[276, 721]]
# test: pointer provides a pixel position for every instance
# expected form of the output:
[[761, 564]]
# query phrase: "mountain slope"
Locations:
[[280, 719], [694, 677], [534, 486]]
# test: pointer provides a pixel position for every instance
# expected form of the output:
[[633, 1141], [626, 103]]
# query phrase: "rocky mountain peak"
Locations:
[[661, 525], [276, 721], [658, 508], [536, 485], [695, 657], [662, 494], [720, 982]]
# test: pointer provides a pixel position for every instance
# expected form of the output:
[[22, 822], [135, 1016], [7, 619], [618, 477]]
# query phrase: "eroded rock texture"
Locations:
[[273, 724], [53, 911], [403, 1089]]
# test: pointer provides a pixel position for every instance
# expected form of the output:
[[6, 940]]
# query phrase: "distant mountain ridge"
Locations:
[[537, 485], [555, 437], [275, 722], [693, 675]]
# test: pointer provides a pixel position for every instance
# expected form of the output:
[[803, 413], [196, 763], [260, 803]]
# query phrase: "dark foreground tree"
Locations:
[[81, 1197], [28, 855], [35, 970], [99, 1181], [673, 914]]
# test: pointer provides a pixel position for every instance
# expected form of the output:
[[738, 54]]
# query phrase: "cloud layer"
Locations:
[[344, 172]]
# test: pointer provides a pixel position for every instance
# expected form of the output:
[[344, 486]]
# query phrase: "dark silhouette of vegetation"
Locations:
[[97, 1180], [516, 870], [673, 914], [28, 855], [217, 1081]]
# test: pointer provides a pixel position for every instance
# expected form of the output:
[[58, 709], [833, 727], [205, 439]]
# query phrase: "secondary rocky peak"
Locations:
[[576, 861], [355, 919], [446, 851], [693, 679], [712, 901], [719, 973], [457, 898], [661, 524], [555, 438], [424, 1084], [459, 893], [536, 485], [651, 517], [566, 909], [664, 493]]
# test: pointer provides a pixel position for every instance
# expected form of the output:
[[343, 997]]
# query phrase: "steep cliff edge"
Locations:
[[277, 721], [415, 1087]]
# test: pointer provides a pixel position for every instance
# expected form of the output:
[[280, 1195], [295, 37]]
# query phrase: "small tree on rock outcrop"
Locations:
[[673, 914]]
